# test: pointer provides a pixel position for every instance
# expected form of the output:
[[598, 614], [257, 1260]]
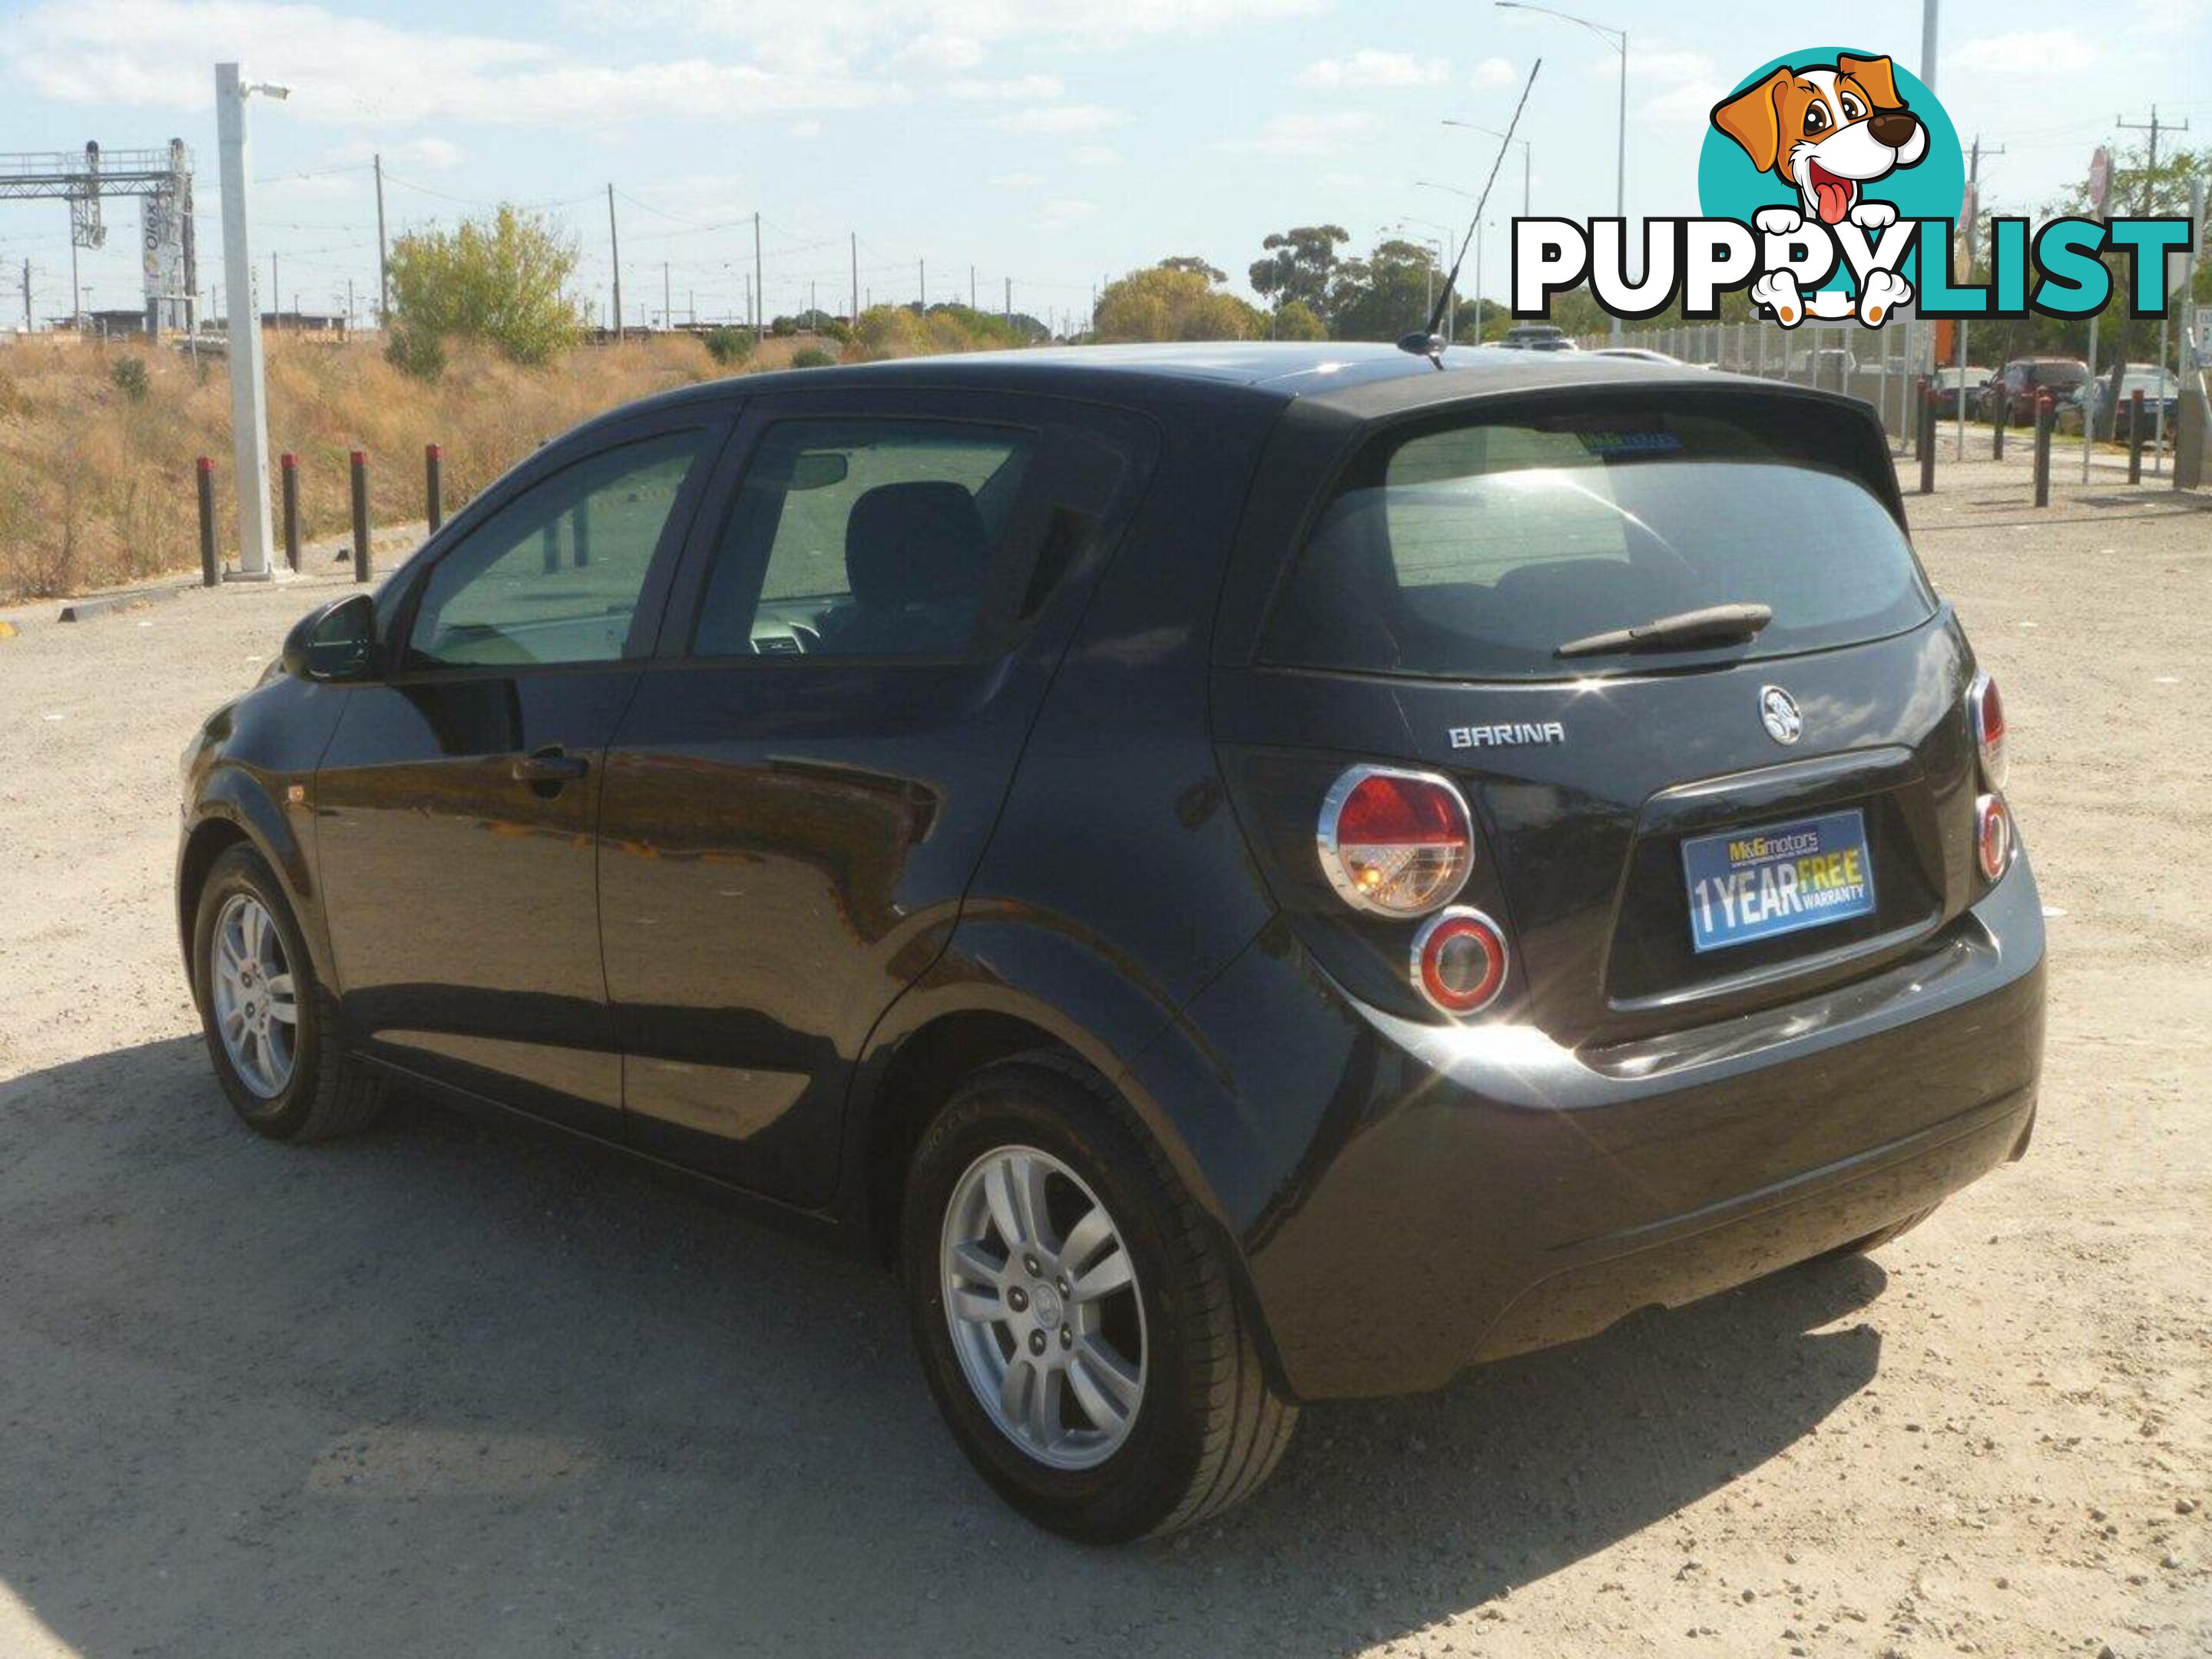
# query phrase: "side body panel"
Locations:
[[786, 839]]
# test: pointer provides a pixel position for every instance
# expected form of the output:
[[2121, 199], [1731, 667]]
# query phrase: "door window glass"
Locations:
[[554, 576], [862, 538]]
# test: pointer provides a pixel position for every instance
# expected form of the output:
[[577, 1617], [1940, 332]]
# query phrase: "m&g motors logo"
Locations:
[[1832, 185]]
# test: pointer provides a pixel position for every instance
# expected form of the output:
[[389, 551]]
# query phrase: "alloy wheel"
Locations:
[[256, 1013], [1041, 1299]]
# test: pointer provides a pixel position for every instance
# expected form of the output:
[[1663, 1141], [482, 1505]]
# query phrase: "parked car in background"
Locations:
[[2162, 391], [1536, 337], [1959, 390], [1248, 874], [1831, 367], [2012, 396]]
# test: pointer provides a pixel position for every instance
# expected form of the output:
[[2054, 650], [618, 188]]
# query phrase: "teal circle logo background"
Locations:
[[1730, 187]]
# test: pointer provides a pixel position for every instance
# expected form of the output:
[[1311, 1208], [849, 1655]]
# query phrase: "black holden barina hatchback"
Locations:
[[1251, 874]]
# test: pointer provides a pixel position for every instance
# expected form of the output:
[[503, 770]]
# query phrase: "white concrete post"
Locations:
[[249, 412]]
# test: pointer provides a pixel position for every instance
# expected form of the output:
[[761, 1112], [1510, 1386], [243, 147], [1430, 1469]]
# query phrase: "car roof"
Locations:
[[1280, 371]]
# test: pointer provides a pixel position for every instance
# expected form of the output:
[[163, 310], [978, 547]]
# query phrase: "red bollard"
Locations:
[[2135, 435], [210, 569], [431, 490], [1928, 443]]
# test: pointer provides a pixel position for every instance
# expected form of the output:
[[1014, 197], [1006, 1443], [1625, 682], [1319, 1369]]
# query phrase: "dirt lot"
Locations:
[[450, 1390]]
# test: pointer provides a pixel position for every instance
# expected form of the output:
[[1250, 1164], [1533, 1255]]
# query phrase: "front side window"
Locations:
[[554, 576], [863, 538], [1476, 551]]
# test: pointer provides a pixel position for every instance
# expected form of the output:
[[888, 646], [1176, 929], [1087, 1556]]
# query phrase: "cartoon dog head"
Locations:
[[1827, 130]]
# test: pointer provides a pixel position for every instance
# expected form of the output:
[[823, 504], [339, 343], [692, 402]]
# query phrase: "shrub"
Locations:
[[129, 374], [501, 279], [729, 346], [811, 357]]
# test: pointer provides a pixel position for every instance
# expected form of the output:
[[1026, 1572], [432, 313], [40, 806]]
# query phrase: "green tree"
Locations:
[[1295, 321], [501, 279], [1301, 264], [1387, 294], [1191, 262], [1164, 303]]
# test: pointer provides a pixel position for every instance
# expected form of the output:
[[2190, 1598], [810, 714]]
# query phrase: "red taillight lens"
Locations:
[[1985, 708], [1397, 843], [1992, 836], [1459, 961]]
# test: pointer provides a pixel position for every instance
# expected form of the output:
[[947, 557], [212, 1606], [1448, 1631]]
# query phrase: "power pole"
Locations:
[[614, 251], [2153, 126], [383, 252], [27, 296], [275, 288], [760, 283], [1010, 302], [921, 286], [249, 406], [667, 308], [1974, 200], [971, 288], [2150, 178], [856, 277]]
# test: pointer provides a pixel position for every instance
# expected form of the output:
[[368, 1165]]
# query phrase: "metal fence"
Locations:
[[1881, 366]]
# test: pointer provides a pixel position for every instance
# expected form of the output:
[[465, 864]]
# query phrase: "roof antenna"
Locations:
[[1428, 343]]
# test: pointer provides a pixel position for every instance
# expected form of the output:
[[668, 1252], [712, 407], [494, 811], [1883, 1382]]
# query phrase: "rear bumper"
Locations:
[[1472, 1193]]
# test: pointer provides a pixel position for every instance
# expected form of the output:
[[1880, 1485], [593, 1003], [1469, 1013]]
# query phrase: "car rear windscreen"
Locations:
[[1474, 550]]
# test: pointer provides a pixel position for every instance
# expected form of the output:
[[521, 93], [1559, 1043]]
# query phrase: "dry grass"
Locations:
[[97, 488]]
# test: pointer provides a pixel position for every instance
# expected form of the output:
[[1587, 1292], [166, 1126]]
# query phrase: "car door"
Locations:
[[457, 803], [802, 787]]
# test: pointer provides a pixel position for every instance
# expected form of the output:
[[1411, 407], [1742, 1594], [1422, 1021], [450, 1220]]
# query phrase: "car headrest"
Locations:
[[908, 543]]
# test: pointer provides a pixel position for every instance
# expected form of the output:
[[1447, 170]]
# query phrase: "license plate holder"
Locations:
[[1749, 884]]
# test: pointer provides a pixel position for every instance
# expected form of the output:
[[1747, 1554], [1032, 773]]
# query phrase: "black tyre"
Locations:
[[1076, 1316], [264, 1014]]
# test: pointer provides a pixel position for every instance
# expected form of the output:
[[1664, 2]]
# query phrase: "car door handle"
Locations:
[[550, 766]]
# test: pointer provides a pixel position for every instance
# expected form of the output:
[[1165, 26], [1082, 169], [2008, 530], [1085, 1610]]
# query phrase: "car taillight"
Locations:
[[1992, 836], [1459, 961], [1397, 843], [1985, 708]]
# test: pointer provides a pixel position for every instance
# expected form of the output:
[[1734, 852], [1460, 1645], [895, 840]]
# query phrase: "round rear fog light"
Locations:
[[1459, 961], [1992, 836]]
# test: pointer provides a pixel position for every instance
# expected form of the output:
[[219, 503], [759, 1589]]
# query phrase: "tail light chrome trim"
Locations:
[[1460, 923], [1340, 853]]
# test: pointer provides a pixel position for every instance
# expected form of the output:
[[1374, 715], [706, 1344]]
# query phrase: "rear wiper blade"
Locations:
[[1717, 624]]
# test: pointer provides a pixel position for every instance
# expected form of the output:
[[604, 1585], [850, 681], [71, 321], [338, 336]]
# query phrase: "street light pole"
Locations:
[[1619, 41], [249, 409]]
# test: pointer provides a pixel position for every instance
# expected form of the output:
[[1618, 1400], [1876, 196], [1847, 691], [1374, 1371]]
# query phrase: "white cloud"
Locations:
[[1020, 88], [1095, 156], [2029, 52], [1305, 135], [1015, 180], [810, 128], [865, 27], [156, 53], [1060, 118], [925, 52], [1491, 74], [1058, 216], [417, 154], [1368, 69], [1686, 84]]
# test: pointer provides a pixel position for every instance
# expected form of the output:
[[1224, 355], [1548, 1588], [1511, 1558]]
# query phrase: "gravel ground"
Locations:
[[450, 1390]]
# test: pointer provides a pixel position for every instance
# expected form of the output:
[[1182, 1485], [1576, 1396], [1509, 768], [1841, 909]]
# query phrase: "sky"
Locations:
[[1054, 144]]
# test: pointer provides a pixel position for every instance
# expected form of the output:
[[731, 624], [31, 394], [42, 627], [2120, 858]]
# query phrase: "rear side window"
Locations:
[[868, 538], [1474, 550]]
